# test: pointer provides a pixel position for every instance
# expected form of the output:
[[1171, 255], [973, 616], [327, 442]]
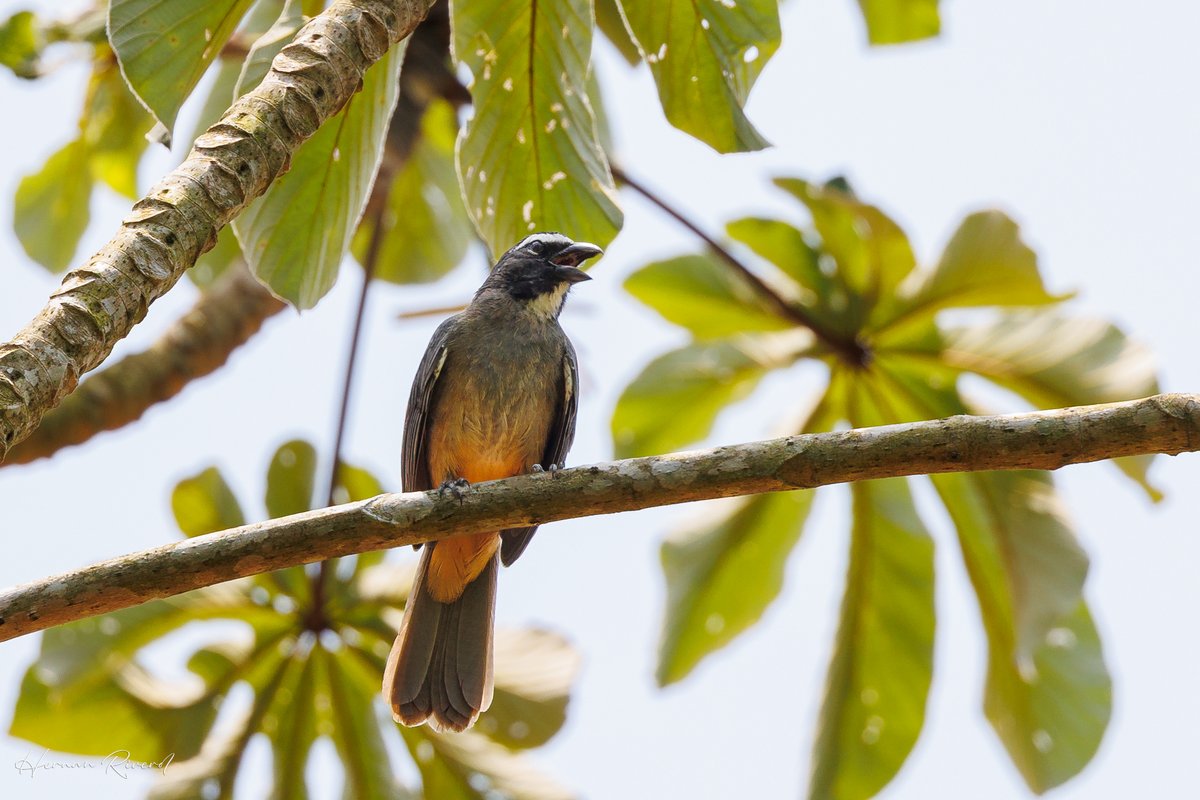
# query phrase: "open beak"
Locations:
[[568, 259]]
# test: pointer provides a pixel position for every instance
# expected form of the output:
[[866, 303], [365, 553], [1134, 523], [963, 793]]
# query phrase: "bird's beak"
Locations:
[[569, 259]]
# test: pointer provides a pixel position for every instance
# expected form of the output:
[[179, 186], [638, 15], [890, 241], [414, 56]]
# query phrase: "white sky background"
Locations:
[[1080, 119]]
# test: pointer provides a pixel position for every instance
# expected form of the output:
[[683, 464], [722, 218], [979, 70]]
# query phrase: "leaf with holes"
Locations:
[[529, 159], [705, 56], [294, 236]]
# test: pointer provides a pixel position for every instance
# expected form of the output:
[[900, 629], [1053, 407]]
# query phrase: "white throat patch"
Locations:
[[549, 304]]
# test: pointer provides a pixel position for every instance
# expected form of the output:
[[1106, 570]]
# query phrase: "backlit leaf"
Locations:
[[425, 225], [290, 479], [114, 127], [21, 45], [703, 295], [705, 56], [165, 46], [294, 236], [677, 397], [51, 208], [529, 158], [897, 21], [882, 665], [204, 503], [608, 20]]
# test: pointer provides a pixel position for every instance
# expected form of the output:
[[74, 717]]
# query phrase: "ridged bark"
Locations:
[[229, 166]]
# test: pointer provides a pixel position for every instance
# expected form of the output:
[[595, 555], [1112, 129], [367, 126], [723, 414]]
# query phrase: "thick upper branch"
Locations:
[[1043, 440], [230, 165]]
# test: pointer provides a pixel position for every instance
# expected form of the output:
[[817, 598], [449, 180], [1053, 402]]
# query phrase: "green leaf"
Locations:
[[784, 246], [898, 21], [295, 235], [529, 158], [51, 208], [291, 724], [1048, 693], [882, 665], [290, 479], [165, 46], [534, 672], [425, 225], [356, 733], [721, 578], [1054, 361], [114, 127], [872, 253], [21, 45], [705, 56], [86, 672], [468, 766], [267, 46], [213, 264], [356, 483], [985, 264], [204, 503], [610, 22], [703, 295], [677, 397]]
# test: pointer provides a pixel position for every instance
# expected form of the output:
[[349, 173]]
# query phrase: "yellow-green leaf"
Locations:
[[897, 21], [204, 503], [21, 45], [165, 46], [295, 235], [114, 127], [534, 672], [425, 225], [609, 21], [1053, 361], [290, 479], [703, 295], [705, 56], [51, 208], [529, 158], [677, 397], [878, 682], [985, 264]]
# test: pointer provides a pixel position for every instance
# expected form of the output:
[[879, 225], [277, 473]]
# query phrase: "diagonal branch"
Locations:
[[197, 344], [230, 165], [1168, 423]]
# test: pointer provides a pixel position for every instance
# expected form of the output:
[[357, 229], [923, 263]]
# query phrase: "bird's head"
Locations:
[[539, 269]]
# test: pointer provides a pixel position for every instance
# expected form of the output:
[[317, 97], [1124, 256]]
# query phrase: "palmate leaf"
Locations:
[[529, 159], [165, 46], [898, 21], [294, 236], [705, 56], [88, 688], [1048, 693]]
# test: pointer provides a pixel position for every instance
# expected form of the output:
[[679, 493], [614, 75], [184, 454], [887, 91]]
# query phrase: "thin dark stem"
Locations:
[[376, 209], [848, 348]]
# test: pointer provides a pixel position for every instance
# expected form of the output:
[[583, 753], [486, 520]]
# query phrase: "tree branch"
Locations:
[[230, 165], [197, 344], [849, 348], [1167, 423]]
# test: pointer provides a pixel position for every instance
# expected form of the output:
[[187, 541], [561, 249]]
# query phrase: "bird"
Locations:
[[495, 395]]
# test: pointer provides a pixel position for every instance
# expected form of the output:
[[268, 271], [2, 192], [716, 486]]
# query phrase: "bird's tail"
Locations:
[[440, 667]]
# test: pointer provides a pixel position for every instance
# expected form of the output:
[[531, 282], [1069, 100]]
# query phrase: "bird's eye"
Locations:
[[536, 247]]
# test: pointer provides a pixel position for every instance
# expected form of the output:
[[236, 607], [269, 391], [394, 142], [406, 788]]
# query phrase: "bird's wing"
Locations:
[[414, 471], [562, 434]]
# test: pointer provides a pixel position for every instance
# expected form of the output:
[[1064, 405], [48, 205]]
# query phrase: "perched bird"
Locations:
[[494, 396]]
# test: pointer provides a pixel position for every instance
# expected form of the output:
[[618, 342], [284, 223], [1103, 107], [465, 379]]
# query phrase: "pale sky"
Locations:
[[1079, 119]]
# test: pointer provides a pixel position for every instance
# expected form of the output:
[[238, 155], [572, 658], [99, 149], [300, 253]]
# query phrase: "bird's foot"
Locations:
[[455, 486], [538, 469]]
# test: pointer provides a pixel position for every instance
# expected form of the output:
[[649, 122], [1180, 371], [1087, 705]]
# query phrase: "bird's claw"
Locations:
[[538, 469], [455, 486]]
